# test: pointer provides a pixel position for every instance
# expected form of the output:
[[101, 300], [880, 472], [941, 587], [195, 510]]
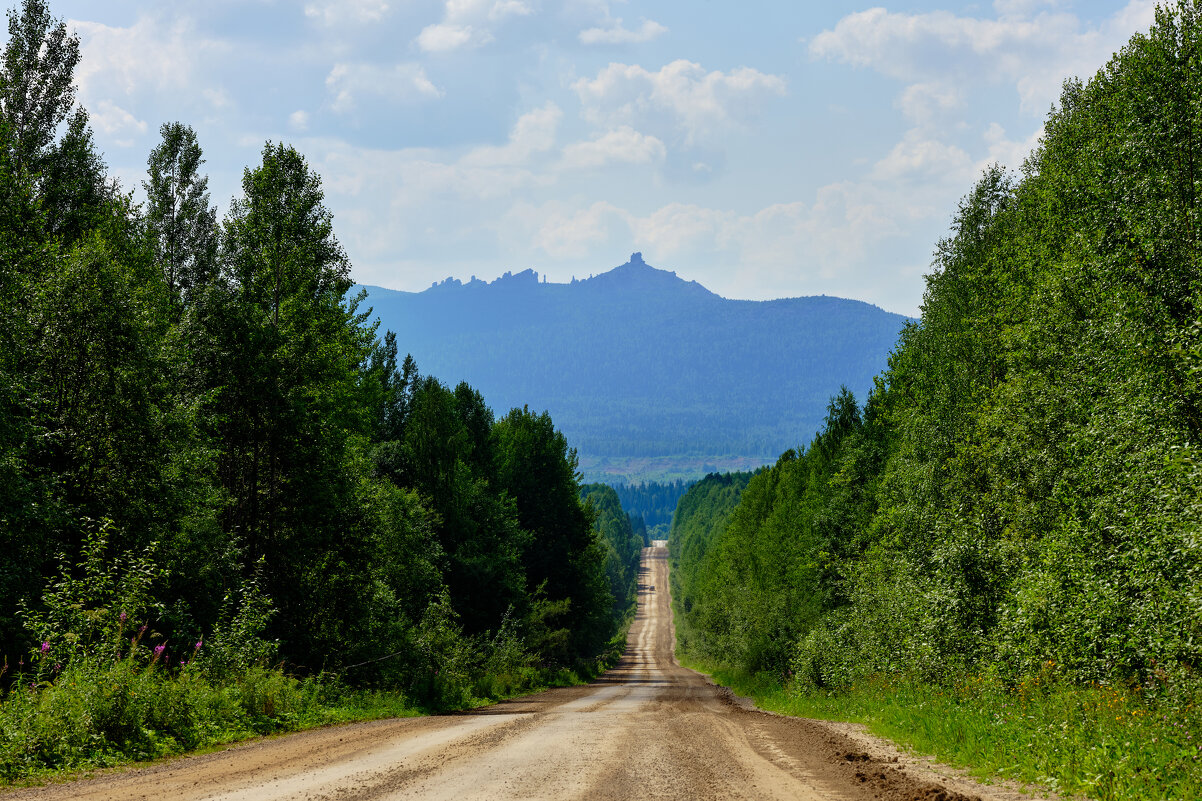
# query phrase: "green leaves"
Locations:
[[36, 90], [180, 221], [1020, 486]]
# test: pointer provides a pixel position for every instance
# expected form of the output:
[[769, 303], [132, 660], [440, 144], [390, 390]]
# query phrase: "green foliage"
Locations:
[[565, 559], [98, 713], [653, 502], [1021, 488], [178, 215], [295, 525], [36, 89], [623, 546], [238, 644], [95, 614], [700, 520]]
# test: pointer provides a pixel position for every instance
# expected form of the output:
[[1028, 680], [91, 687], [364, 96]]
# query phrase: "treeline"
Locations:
[[624, 536], [208, 457], [700, 521], [1020, 494], [652, 501]]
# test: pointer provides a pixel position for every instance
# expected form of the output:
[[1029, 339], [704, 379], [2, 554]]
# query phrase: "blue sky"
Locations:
[[765, 149]]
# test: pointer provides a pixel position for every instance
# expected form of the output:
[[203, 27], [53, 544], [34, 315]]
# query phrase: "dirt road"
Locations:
[[648, 729]]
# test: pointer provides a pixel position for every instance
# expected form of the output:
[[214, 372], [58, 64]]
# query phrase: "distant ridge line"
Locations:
[[649, 375]]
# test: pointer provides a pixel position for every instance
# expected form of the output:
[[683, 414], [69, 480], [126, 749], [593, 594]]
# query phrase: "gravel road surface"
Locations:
[[648, 729]]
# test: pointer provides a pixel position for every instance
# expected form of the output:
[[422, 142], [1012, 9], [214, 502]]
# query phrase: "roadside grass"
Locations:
[[92, 715], [1102, 742]]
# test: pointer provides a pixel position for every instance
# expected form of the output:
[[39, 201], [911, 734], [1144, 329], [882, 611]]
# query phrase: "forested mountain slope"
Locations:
[[637, 362]]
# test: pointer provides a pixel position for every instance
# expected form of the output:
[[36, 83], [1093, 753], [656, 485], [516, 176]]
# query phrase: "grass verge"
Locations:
[[93, 715], [1102, 742]]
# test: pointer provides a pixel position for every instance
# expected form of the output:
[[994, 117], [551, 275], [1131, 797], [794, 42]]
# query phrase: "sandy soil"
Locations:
[[648, 729]]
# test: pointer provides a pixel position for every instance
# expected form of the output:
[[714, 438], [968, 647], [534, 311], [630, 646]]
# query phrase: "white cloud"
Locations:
[[468, 23], [925, 103], [508, 8], [443, 37], [1010, 153], [334, 12], [534, 132], [823, 246], [681, 229], [785, 249], [149, 54], [218, 98], [1022, 8], [681, 97], [918, 157], [400, 83], [299, 121], [615, 34], [1030, 47], [413, 177], [623, 145], [109, 118], [566, 233]]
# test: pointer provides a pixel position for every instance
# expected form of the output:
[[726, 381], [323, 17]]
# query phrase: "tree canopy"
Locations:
[[1021, 487], [205, 403]]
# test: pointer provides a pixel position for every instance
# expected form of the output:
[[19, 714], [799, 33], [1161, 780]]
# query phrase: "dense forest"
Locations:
[[624, 537], [653, 502], [209, 460], [637, 362], [1019, 495]]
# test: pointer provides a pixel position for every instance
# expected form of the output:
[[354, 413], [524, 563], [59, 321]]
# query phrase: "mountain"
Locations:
[[648, 375]]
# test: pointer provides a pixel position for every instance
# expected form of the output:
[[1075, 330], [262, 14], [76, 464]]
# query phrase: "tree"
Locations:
[[283, 351], [181, 222], [36, 89], [565, 558], [445, 457]]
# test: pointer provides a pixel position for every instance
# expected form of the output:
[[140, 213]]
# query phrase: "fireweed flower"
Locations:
[[45, 647], [198, 644]]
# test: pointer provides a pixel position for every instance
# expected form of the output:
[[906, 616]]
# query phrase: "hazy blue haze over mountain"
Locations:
[[647, 374]]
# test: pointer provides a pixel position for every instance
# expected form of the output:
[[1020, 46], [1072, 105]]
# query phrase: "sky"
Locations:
[[764, 149]]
